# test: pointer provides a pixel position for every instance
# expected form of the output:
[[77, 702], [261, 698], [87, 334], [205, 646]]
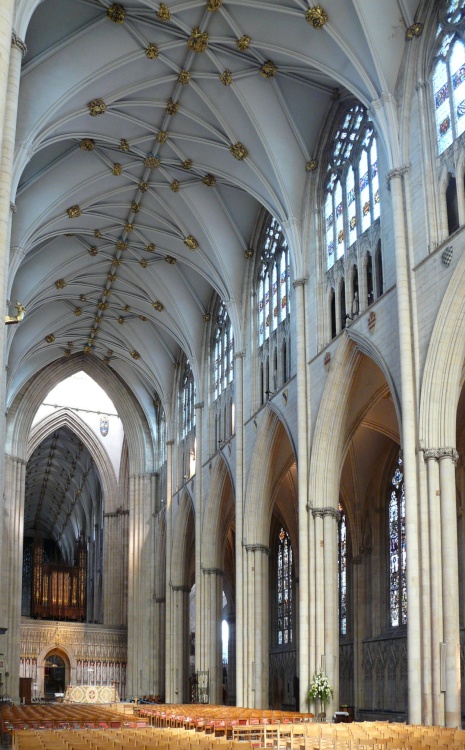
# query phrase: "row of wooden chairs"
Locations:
[[315, 737], [138, 739], [63, 716]]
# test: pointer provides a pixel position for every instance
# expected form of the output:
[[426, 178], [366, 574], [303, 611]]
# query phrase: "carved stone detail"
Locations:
[[18, 43], [316, 17], [116, 13], [226, 77], [239, 151]]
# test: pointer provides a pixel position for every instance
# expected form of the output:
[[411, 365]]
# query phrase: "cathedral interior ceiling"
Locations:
[[149, 136]]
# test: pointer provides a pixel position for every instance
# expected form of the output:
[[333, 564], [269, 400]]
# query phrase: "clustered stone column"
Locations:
[[326, 596], [116, 530], [15, 487], [396, 179], [12, 49], [212, 585], [257, 575], [443, 586], [240, 588], [140, 586], [169, 693], [305, 522], [180, 644]]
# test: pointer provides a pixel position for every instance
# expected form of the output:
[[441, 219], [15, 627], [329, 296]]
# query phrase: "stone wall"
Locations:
[[93, 654]]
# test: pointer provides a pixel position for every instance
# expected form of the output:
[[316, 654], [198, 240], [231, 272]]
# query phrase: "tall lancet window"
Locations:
[[273, 295], [274, 280], [223, 352], [351, 184], [342, 568], [449, 75], [397, 550], [188, 400], [285, 604], [222, 347]]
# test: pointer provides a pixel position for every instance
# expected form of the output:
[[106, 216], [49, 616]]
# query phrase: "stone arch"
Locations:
[[442, 374], [218, 512], [180, 547], [328, 442], [67, 418], [259, 496], [65, 654], [26, 402]]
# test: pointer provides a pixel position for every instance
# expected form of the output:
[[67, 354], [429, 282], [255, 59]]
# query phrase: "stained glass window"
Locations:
[[188, 400], [284, 582], [448, 78], [352, 184], [397, 550], [223, 345], [342, 568], [274, 280]]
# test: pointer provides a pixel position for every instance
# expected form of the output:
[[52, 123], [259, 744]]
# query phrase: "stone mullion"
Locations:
[[409, 441], [449, 566]]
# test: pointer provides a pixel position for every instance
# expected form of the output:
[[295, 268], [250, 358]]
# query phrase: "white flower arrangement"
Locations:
[[320, 688]]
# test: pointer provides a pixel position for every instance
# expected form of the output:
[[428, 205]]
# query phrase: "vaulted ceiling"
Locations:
[[149, 137]]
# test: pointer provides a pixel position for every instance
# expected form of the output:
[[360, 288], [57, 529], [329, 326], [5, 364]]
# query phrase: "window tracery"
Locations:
[[187, 443], [274, 308], [448, 79], [222, 347], [397, 550], [342, 571], [352, 219], [284, 589]]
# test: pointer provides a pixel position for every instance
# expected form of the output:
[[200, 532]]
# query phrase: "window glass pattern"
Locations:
[[352, 184], [397, 550], [448, 79], [285, 605], [274, 283], [223, 345], [342, 570], [188, 400]]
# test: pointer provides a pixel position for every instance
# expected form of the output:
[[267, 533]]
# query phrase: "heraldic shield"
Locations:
[[104, 425]]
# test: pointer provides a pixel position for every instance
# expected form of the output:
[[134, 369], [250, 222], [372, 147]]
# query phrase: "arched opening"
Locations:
[[56, 675], [452, 205], [371, 625]]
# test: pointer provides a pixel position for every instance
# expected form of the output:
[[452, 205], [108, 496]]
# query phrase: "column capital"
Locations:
[[322, 512], [300, 282], [159, 600], [437, 454], [199, 405], [170, 442], [13, 208], [239, 355], [213, 571], [184, 589], [397, 172], [18, 43], [257, 548]]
